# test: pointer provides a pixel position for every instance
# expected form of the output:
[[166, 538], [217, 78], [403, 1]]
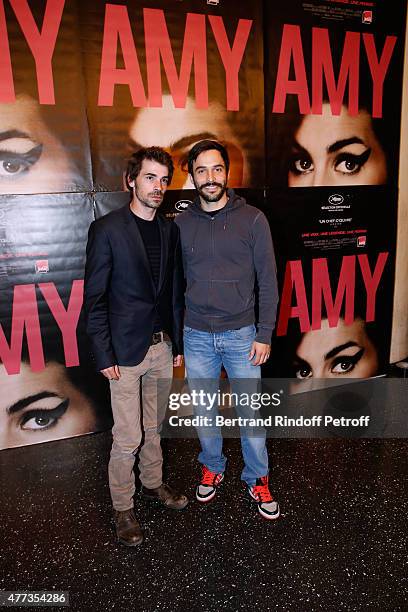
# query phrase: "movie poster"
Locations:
[[44, 133], [333, 89], [82, 85], [50, 388], [336, 278], [170, 74]]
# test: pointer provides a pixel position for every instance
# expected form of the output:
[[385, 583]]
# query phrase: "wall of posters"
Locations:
[[333, 104], [82, 84]]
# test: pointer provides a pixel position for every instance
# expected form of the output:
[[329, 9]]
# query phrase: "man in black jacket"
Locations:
[[227, 253], [134, 310]]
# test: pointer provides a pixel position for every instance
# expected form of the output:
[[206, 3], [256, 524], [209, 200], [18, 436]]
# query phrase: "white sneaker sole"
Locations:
[[264, 514], [205, 500], [268, 517], [210, 496]]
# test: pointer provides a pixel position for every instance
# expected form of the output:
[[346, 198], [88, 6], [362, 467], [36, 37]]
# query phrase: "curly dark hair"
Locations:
[[156, 154]]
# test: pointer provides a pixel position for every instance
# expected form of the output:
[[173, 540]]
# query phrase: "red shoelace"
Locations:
[[210, 478], [262, 492]]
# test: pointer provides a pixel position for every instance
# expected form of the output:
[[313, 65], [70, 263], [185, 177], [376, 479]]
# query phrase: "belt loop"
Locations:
[[157, 337]]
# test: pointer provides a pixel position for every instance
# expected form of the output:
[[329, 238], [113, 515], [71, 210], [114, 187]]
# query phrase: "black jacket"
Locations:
[[120, 295], [226, 259]]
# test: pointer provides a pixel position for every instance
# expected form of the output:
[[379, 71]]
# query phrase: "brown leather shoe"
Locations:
[[128, 528], [167, 496]]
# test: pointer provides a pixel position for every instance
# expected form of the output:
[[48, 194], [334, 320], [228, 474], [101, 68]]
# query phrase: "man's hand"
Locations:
[[177, 361], [261, 352], [112, 373]]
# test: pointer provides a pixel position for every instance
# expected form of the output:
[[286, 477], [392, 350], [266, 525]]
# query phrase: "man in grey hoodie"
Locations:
[[227, 255]]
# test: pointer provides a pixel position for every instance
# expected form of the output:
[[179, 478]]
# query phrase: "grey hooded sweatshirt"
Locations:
[[224, 257]]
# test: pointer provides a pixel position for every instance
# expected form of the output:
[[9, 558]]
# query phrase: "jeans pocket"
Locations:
[[187, 330], [245, 333]]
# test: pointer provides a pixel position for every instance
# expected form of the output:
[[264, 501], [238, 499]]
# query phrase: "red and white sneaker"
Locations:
[[267, 506], [207, 488]]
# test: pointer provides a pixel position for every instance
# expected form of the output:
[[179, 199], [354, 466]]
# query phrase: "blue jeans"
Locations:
[[204, 353]]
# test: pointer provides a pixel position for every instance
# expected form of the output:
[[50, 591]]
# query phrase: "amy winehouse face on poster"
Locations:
[[32, 159], [178, 129], [41, 406], [336, 352], [336, 150]]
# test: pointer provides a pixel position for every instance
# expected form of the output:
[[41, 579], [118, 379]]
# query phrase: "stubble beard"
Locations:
[[149, 203]]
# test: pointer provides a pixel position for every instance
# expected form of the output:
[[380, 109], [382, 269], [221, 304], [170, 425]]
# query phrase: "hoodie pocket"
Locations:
[[228, 298], [197, 296]]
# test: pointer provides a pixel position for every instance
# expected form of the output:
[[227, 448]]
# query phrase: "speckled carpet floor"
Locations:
[[340, 543]]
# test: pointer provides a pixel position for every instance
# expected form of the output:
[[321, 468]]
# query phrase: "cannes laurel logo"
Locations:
[[182, 205], [336, 198]]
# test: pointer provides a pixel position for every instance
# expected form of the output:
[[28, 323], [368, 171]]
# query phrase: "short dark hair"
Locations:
[[135, 161], [207, 145]]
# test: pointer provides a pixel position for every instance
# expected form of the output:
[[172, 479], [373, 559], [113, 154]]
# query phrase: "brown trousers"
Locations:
[[139, 402]]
